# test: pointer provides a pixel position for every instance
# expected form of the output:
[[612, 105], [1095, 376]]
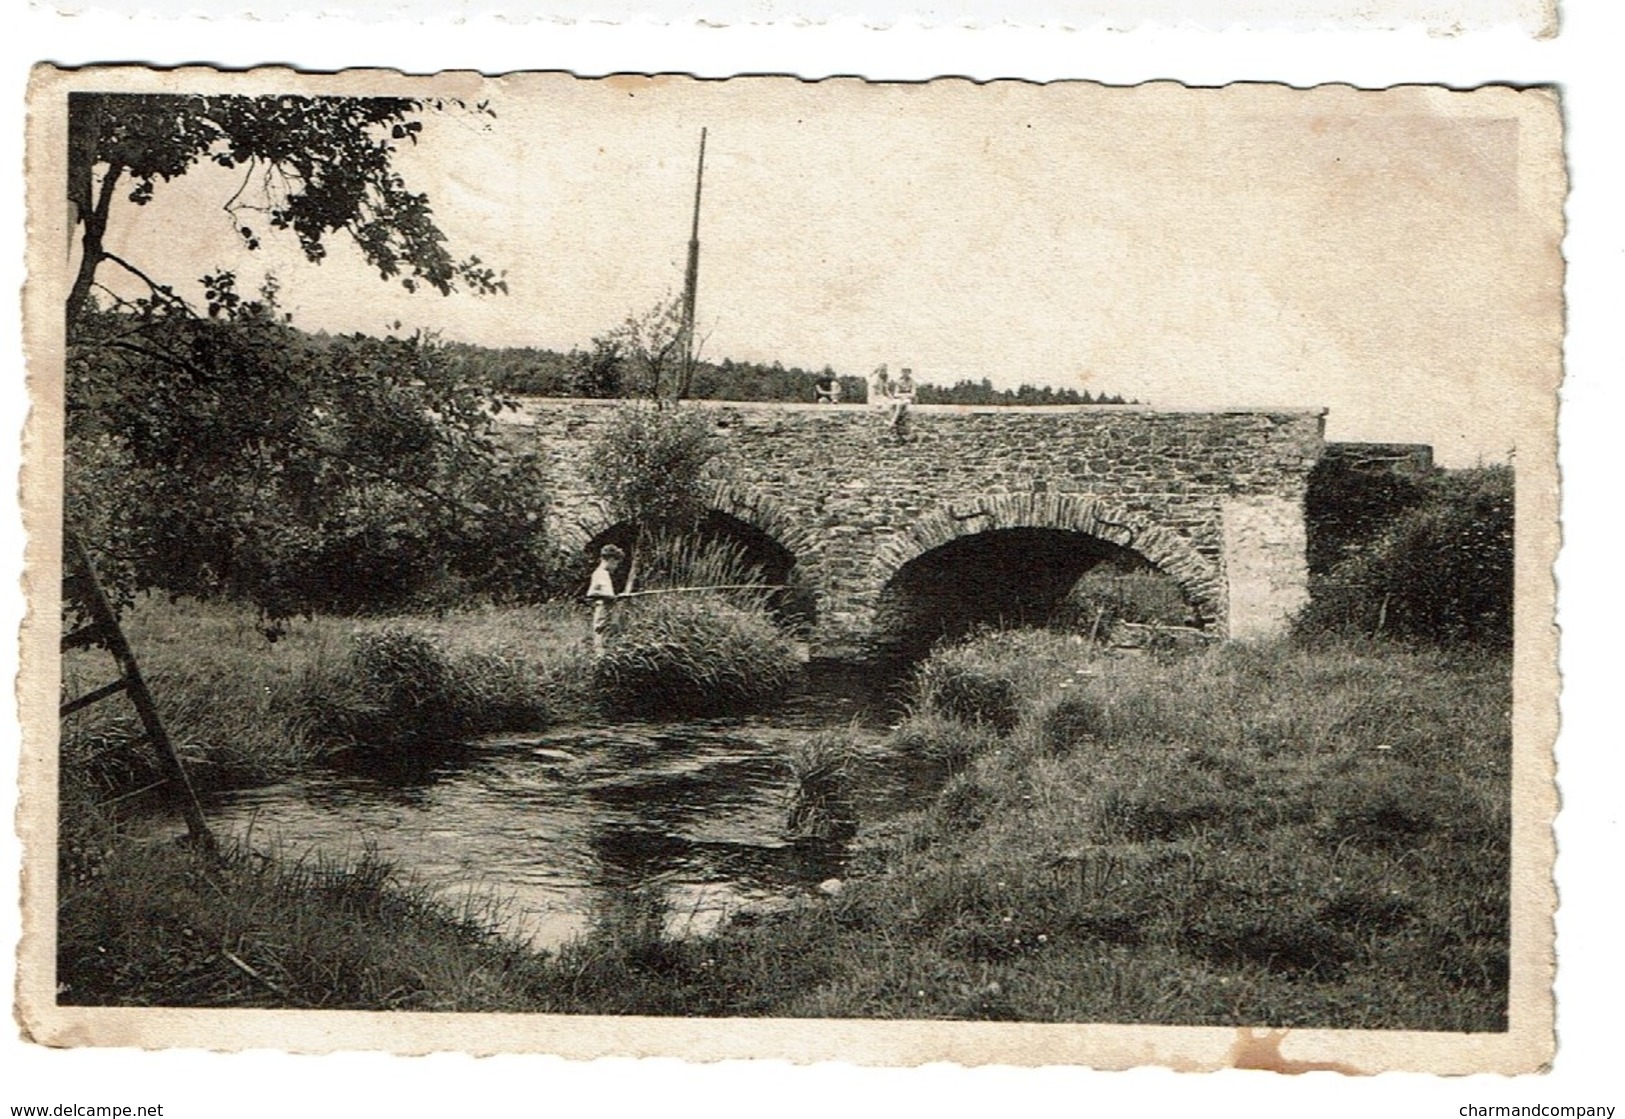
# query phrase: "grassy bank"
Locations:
[[1250, 835], [1244, 835], [162, 925], [245, 710]]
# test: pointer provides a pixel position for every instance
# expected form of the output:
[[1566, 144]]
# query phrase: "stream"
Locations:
[[539, 832]]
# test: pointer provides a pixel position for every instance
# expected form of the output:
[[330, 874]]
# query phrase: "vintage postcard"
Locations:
[[993, 573]]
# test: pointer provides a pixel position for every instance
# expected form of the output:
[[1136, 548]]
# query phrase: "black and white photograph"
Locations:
[[890, 572]]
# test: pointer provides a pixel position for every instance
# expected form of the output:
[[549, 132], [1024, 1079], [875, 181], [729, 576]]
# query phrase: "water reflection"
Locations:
[[688, 819]]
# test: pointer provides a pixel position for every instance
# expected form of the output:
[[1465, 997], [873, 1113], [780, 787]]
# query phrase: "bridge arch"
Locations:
[[766, 533], [744, 504], [1032, 522]]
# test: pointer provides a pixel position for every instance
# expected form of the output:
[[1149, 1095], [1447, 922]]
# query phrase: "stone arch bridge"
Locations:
[[984, 503]]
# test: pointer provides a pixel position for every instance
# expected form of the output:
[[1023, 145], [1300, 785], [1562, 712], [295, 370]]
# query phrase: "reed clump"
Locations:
[[941, 740], [419, 681], [682, 648], [692, 655], [822, 773]]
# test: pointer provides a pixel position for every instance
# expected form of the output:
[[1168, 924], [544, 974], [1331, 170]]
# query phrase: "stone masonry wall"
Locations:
[[853, 501]]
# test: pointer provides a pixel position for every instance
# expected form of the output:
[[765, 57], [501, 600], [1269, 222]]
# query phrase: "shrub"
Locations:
[[1441, 574], [1348, 506], [692, 655], [654, 466], [669, 561]]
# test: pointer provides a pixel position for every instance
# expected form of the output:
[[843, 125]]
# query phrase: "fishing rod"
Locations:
[[721, 587]]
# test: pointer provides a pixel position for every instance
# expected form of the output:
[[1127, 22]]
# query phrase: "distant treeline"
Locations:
[[529, 371]]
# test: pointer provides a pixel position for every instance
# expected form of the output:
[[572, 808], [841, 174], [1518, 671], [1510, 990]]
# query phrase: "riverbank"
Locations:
[[247, 706], [1283, 835], [1248, 835], [246, 709]]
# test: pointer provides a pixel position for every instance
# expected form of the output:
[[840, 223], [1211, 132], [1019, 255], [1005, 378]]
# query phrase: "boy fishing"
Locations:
[[601, 593]]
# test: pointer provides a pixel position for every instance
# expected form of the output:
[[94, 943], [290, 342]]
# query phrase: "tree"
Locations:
[[218, 449], [597, 372], [653, 346], [231, 454], [315, 166], [654, 467]]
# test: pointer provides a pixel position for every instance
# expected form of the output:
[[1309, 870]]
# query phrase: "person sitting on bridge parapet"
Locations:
[[827, 388], [601, 593], [902, 395], [880, 387]]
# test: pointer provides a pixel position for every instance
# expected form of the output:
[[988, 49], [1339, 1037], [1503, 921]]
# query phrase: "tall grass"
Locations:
[[670, 562], [161, 925], [987, 679], [426, 680], [244, 710], [1106, 595], [692, 655], [822, 771], [694, 652], [230, 698]]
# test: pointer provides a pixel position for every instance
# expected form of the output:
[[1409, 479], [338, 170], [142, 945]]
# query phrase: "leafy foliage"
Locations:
[[597, 372], [650, 351], [312, 166], [233, 455], [654, 466], [1441, 573], [1348, 507], [229, 453]]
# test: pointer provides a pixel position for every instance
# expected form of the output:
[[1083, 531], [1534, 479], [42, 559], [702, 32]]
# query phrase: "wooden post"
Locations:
[[691, 280]]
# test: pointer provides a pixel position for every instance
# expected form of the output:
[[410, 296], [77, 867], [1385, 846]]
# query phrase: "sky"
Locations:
[[1388, 256]]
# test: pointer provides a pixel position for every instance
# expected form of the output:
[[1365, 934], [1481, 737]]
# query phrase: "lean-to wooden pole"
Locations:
[[81, 585]]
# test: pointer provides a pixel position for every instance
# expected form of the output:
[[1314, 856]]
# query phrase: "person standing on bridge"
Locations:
[[601, 593]]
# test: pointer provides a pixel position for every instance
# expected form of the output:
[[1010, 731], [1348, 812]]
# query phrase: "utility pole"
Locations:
[[691, 279]]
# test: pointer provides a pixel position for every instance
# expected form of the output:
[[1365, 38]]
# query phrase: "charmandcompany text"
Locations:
[[1539, 1110]]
